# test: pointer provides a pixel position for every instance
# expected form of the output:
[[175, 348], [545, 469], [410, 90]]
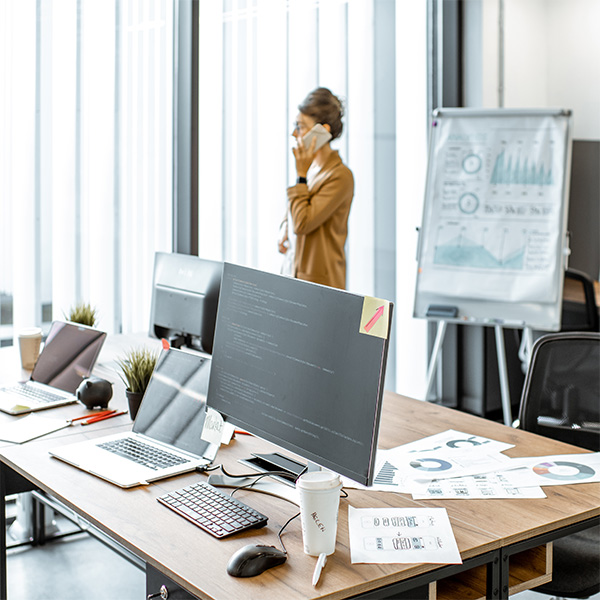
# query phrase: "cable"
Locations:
[[286, 474], [257, 476], [206, 468], [282, 528]]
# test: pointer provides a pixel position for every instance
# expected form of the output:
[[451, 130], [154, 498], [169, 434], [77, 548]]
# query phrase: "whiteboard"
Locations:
[[492, 242]]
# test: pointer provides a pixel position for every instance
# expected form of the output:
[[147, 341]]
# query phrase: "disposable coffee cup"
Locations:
[[319, 504], [29, 346]]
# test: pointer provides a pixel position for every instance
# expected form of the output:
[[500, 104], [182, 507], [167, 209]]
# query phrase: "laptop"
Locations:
[[166, 436], [68, 357]]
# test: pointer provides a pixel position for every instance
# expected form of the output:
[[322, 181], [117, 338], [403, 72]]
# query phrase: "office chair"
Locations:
[[577, 315], [560, 400]]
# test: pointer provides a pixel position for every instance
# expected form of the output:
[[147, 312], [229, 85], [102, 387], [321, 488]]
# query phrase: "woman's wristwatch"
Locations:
[[301, 180]]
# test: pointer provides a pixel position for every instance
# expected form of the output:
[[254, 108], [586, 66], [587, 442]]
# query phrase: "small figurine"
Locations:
[[94, 392]]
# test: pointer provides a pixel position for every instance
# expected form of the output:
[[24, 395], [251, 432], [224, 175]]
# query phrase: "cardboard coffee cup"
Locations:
[[319, 504], [30, 340]]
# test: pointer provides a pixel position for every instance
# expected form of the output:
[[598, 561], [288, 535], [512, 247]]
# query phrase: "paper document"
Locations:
[[562, 469], [401, 535], [490, 485], [30, 427], [447, 454], [455, 440]]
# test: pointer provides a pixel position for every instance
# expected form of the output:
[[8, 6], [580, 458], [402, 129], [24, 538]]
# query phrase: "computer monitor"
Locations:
[[185, 296], [303, 366]]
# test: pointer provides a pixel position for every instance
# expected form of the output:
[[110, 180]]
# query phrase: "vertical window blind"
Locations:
[[86, 141]]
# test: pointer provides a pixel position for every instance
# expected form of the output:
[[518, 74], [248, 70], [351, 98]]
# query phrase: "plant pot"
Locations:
[[134, 399]]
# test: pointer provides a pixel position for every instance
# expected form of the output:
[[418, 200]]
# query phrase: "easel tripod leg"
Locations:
[[503, 375], [435, 354]]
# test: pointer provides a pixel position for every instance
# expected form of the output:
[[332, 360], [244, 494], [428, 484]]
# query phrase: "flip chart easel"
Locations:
[[493, 244], [502, 369]]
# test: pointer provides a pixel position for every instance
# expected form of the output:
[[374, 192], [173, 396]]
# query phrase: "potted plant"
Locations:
[[137, 366], [82, 313]]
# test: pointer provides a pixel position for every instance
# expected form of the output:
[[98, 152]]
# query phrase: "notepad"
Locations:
[[29, 428]]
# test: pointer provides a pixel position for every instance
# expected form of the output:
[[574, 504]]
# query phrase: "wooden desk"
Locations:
[[573, 292], [489, 533]]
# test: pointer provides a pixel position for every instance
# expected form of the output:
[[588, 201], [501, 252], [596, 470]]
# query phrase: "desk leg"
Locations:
[[493, 577], [3, 586]]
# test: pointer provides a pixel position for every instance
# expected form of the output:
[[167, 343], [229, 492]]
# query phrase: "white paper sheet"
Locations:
[[30, 427], [487, 486], [470, 455], [560, 469], [453, 440], [401, 535]]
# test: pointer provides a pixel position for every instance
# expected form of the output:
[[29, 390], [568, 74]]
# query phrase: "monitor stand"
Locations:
[[281, 486]]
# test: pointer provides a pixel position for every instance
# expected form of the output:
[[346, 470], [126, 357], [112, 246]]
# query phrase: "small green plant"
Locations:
[[137, 366], [82, 313]]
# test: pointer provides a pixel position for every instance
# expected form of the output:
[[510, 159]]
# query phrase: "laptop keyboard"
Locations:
[[34, 393], [142, 453], [212, 510]]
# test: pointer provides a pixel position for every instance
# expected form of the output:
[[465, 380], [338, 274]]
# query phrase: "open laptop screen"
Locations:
[[174, 405], [69, 355]]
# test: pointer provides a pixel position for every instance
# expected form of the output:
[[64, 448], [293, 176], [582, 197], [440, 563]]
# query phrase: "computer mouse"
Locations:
[[251, 560]]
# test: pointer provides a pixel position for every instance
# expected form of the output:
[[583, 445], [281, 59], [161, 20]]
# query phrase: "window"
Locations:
[[86, 155], [257, 60]]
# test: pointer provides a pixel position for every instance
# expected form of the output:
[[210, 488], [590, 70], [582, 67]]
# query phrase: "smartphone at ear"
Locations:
[[318, 131]]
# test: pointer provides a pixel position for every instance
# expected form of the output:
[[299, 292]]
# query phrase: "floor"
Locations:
[[94, 572]]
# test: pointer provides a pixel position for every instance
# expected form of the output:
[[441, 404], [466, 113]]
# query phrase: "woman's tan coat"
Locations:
[[319, 213]]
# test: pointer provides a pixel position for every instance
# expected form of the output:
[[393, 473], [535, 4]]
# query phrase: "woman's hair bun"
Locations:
[[324, 107]]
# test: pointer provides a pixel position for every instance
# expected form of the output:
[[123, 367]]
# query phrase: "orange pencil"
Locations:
[[96, 419], [102, 413]]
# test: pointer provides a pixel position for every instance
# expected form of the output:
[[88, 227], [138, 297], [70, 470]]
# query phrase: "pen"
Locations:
[[102, 413], [96, 419], [319, 567]]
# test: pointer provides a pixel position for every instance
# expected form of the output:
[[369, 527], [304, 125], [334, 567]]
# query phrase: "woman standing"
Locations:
[[319, 203]]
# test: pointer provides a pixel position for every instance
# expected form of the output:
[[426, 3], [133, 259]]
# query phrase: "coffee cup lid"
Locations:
[[318, 480], [30, 332]]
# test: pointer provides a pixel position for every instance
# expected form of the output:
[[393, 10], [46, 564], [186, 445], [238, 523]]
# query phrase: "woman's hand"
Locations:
[[304, 156], [283, 242]]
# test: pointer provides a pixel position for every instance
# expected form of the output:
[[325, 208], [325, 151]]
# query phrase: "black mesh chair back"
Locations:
[[561, 394], [561, 400]]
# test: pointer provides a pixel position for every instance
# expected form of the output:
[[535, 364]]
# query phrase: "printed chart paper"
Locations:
[[392, 467], [454, 440], [562, 469], [401, 535], [490, 485]]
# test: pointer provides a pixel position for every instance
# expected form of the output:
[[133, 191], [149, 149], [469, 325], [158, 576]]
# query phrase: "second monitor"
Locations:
[[303, 366], [185, 296]]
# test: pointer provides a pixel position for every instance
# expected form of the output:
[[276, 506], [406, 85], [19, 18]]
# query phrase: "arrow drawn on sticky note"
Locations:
[[378, 314]]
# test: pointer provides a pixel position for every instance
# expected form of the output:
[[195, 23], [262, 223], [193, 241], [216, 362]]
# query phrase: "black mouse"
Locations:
[[253, 560]]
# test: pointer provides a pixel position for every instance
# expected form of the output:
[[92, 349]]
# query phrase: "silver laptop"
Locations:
[[166, 437], [68, 357]]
